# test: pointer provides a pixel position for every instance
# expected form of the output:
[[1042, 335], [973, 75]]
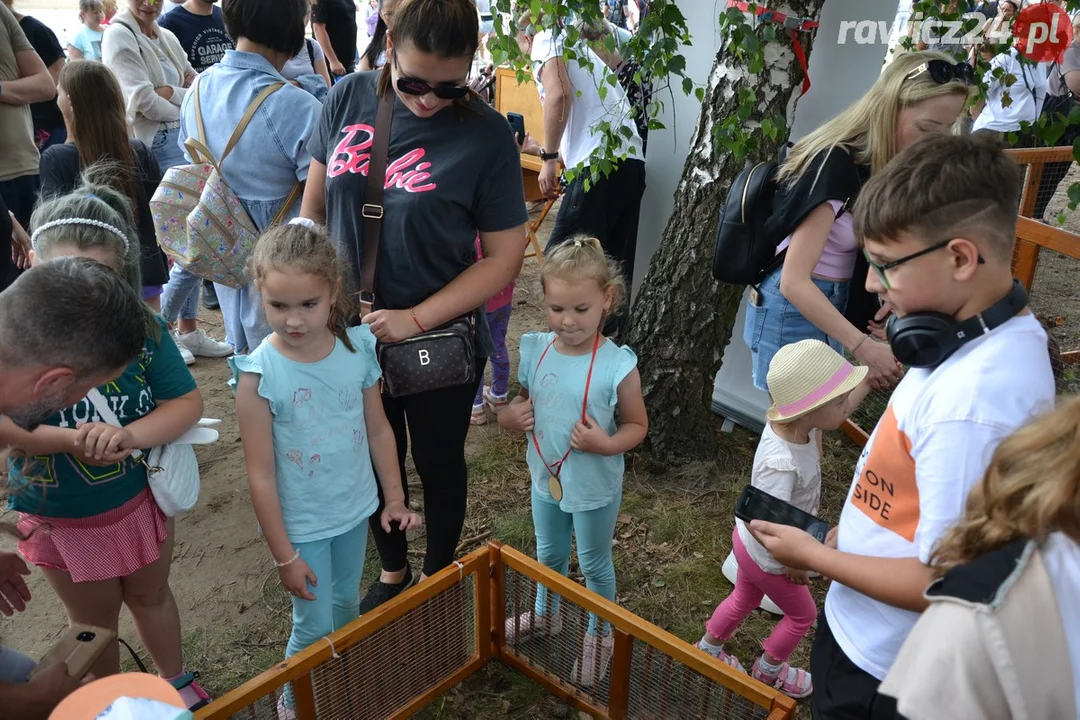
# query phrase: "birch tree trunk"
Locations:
[[682, 317]]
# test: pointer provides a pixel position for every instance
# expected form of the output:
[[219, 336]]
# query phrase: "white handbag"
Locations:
[[172, 468]]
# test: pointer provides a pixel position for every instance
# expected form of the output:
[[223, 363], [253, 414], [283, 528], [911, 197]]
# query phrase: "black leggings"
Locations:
[[437, 422]]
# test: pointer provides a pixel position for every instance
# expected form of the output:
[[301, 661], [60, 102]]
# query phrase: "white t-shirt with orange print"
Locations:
[[929, 449]]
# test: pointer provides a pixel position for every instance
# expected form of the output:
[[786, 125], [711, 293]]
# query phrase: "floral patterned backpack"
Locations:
[[200, 222]]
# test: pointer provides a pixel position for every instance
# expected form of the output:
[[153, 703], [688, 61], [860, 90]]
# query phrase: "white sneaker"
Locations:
[[590, 670], [283, 710], [201, 344], [189, 359], [529, 624]]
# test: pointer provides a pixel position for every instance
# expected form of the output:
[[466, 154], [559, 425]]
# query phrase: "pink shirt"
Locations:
[[838, 257], [506, 295]]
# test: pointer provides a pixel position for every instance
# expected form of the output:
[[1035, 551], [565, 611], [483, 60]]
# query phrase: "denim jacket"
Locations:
[[272, 154]]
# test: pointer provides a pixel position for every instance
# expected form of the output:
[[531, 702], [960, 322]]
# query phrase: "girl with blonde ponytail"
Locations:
[[572, 380], [1001, 638]]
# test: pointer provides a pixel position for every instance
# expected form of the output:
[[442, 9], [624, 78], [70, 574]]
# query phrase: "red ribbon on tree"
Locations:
[[793, 25]]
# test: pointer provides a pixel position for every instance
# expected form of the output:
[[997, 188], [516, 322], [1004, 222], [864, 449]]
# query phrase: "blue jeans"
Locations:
[[245, 320], [594, 530], [167, 150], [181, 295], [775, 322], [14, 666], [338, 563]]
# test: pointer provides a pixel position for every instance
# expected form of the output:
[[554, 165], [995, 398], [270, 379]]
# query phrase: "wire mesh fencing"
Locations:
[[499, 603], [616, 664], [386, 664]]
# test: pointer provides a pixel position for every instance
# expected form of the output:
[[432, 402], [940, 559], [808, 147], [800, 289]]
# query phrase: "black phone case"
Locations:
[[755, 504]]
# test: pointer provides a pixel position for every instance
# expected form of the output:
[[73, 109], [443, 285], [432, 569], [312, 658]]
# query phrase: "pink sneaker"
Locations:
[[284, 712], [722, 655], [529, 623], [793, 682], [495, 402], [589, 670]]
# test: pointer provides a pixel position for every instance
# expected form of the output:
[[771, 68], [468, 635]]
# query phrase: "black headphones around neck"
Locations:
[[927, 339]]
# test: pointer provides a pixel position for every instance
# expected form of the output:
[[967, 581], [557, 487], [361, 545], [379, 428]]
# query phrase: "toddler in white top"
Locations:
[[813, 389]]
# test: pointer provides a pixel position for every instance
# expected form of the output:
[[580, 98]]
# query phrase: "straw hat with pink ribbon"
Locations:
[[805, 375]]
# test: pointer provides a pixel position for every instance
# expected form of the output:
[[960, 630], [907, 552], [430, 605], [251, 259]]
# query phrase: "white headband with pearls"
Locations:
[[81, 221]]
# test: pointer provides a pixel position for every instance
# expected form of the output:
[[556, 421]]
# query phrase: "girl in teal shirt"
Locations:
[[572, 379], [311, 418]]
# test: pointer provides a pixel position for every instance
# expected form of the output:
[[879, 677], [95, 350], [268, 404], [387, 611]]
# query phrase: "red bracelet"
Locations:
[[412, 312]]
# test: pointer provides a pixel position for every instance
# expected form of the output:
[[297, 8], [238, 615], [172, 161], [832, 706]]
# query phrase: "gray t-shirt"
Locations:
[[1069, 61], [448, 177]]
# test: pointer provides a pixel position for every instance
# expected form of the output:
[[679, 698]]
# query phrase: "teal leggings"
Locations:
[[594, 530], [338, 563]]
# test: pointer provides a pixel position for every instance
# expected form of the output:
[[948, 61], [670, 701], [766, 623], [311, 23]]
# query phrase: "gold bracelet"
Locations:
[[859, 344]]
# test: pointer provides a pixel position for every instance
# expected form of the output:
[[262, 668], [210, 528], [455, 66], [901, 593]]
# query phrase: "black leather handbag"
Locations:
[[439, 358]]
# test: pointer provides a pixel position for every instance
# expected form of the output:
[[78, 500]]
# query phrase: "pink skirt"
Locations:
[[110, 545]]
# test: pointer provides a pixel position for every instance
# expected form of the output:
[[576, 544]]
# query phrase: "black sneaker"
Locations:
[[380, 592], [209, 296]]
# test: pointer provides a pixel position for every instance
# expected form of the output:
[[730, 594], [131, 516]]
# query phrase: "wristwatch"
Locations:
[[545, 155]]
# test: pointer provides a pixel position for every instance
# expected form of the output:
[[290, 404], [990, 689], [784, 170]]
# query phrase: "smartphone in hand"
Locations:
[[755, 504], [517, 122]]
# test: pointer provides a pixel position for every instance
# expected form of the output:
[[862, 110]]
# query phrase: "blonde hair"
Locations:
[[308, 250], [582, 257], [1032, 488], [867, 128]]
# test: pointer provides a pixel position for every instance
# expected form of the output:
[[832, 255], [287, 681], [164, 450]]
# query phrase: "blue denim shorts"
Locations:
[[775, 322]]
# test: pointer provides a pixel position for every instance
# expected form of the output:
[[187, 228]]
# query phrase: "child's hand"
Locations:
[[830, 537], [101, 441], [590, 438], [790, 546], [405, 517], [295, 578], [799, 577], [517, 416]]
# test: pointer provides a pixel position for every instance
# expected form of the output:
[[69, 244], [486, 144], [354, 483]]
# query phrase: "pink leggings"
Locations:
[[752, 584]]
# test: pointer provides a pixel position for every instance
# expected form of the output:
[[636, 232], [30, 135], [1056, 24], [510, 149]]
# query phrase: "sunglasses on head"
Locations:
[[943, 71]]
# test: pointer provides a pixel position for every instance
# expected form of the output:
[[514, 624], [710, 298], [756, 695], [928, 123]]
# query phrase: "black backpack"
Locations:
[[745, 252]]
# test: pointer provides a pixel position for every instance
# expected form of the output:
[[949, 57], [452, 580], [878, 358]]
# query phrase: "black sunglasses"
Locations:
[[417, 87], [943, 71]]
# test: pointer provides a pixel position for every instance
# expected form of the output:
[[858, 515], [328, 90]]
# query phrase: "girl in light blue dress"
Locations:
[[315, 435], [572, 379]]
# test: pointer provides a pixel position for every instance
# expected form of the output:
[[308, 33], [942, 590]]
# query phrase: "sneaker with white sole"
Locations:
[[528, 624], [284, 712], [793, 682], [479, 415], [592, 667], [495, 402], [189, 359], [722, 655], [201, 344]]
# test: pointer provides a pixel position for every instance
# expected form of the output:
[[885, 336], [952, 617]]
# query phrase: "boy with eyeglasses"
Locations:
[[938, 225]]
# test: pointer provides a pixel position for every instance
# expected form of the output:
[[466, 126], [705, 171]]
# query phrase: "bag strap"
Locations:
[[289, 202], [105, 411], [197, 146], [373, 197], [311, 54], [200, 129], [252, 109]]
